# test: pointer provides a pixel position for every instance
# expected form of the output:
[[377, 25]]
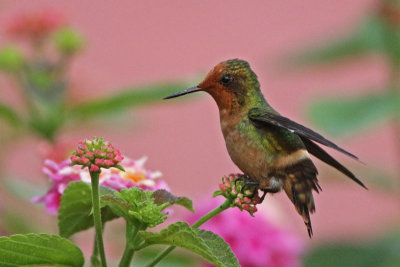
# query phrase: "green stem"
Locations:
[[97, 216], [131, 233], [94, 259], [62, 66], [161, 256], [227, 204]]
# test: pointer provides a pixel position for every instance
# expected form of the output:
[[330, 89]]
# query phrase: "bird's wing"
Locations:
[[321, 154], [264, 117]]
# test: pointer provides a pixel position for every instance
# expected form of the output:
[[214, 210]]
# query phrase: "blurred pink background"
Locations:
[[138, 42]]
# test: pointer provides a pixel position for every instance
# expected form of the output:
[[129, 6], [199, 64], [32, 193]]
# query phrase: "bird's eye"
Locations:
[[226, 79]]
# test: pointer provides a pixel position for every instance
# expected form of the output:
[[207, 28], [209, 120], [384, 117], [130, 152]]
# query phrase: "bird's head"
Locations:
[[231, 83]]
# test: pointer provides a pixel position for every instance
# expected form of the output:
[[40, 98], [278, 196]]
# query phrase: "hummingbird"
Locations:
[[270, 149]]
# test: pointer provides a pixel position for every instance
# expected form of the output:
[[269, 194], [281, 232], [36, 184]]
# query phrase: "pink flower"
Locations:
[[255, 240], [135, 175], [61, 174], [35, 25]]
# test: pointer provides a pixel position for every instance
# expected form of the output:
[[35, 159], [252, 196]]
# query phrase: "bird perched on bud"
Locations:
[[271, 150]]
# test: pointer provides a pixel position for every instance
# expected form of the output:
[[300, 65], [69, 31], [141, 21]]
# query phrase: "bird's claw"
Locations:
[[247, 182], [263, 196]]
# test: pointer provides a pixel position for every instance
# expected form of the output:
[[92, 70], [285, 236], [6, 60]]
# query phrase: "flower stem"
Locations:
[[131, 233], [97, 216], [161, 256], [94, 259], [227, 204]]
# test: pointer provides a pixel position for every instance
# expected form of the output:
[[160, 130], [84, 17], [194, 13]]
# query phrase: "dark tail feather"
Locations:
[[298, 185], [304, 204], [321, 154]]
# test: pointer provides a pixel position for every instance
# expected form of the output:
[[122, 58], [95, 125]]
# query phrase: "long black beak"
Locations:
[[184, 92]]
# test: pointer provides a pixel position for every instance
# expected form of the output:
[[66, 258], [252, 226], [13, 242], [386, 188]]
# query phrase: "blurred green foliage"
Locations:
[[41, 78], [349, 115], [122, 100], [384, 252], [378, 33]]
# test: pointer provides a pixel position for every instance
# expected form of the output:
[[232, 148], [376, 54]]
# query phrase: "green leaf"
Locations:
[[217, 193], [39, 250], [10, 115], [162, 196], [178, 258], [367, 38], [342, 116], [204, 243], [119, 206], [74, 214], [120, 101], [380, 253], [137, 206]]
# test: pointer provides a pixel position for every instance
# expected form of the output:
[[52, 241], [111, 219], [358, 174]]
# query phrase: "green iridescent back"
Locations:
[[274, 139]]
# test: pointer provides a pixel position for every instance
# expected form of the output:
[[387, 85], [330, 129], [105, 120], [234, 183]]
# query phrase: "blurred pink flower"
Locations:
[[255, 241], [35, 25], [61, 174], [57, 151]]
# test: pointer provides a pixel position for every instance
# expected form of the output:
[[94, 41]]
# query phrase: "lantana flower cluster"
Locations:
[[61, 174], [96, 154], [245, 196]]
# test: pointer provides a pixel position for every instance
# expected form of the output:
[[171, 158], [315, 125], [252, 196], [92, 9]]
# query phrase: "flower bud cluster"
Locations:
[[245, 197], [11, 59], [35, 25], [68, 41], [96, 154]]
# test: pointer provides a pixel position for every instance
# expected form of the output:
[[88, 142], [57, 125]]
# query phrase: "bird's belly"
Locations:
[[248, 152]]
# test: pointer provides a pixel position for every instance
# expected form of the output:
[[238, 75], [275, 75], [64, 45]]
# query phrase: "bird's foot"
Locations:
[[265, 191], [247, 182], [263, 196]]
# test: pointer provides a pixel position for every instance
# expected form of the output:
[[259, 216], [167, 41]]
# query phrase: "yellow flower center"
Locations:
[[134, 176]]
